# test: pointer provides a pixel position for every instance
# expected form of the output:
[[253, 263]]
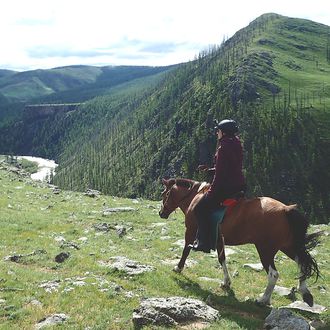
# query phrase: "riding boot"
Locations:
[[202, 241], [202, 211]]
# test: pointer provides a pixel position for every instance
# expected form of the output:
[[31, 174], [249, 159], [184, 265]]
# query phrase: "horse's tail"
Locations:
[[303, 243]]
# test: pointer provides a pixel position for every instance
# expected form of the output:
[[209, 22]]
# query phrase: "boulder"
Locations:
[[283, 319], [173, 311]]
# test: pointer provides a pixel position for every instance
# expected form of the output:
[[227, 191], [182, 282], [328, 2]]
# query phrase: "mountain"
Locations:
[[271, 76], [28, 85]]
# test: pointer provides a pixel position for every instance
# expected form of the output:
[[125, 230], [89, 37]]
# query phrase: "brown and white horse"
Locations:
[[265, 222]]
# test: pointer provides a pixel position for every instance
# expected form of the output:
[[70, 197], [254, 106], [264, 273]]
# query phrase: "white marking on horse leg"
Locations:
[[272, 279], [226, 279], [176, 269]]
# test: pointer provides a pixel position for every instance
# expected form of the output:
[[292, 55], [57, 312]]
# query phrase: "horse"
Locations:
[[263, 221]]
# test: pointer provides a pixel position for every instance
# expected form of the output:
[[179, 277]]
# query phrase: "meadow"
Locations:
[[39, 222]]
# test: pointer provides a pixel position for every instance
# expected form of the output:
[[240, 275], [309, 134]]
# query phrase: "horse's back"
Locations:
[[255, 220]]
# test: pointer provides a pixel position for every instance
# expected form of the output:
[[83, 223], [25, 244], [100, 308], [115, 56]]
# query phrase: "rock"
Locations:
[[316, 309], [92, 193], [118, 209], [62, 257], [103, 227], [19, 257], [128, 266], [59, 239], [283, 319], [50, 286], [52, 320], [285, 292], [35, 303], [70, 245], [173, 311], [257, 267], [121, 231]]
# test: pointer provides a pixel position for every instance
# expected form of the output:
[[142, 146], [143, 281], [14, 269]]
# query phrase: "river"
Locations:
[[45, 167]]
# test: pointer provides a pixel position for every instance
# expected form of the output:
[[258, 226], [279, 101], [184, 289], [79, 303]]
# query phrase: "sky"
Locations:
[[43, 34]]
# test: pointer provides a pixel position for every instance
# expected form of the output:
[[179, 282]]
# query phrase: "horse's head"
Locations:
[[176, 191]]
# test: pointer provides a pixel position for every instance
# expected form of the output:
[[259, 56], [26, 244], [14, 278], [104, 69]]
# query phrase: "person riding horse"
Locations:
[[227, 181]]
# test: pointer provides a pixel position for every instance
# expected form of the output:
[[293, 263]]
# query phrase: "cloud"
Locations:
[[41, 52], [43, 34], [160, 47]]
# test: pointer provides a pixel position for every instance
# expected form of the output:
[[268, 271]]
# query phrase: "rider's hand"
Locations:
[[202, 168]]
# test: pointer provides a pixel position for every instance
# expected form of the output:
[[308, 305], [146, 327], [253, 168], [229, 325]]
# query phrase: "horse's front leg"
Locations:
[[190, 236], [222, 260]]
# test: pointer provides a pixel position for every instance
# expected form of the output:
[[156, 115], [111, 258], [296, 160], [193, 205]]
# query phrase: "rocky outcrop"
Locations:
[[38, 111]]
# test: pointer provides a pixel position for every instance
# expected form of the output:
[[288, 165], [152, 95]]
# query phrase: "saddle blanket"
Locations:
[[217, 218]]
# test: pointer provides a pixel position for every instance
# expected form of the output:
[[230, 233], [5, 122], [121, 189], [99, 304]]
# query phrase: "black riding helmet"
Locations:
[[228, 126]]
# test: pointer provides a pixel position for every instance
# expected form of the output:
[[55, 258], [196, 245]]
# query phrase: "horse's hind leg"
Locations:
[[267, 259], [222, 260], [302, 285]]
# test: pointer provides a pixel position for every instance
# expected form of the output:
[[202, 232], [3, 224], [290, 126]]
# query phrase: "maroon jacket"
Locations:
[[228, 177]]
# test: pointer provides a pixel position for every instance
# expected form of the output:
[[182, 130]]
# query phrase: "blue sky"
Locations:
[[51, 33]]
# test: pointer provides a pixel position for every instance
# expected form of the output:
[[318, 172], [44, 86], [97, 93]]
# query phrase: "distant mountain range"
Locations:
[[28, 85], [138, 124]]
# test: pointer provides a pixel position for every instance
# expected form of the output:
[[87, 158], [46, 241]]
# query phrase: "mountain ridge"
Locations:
[[26, 85]]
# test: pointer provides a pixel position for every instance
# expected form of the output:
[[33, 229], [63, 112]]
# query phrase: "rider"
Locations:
[[228, 180]]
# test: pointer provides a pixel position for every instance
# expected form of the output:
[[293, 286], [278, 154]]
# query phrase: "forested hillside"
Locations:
[[272, 77]]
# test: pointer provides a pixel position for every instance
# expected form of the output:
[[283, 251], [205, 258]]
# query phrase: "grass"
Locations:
[[33, 218]]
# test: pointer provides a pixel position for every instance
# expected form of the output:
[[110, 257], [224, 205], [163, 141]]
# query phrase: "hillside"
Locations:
[[272, 77], [282, 112], [39, 223]]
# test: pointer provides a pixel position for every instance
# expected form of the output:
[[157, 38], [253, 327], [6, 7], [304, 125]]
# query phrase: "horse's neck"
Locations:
[[184, 205]]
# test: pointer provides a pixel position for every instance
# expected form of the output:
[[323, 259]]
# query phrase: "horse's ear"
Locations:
[[165, 182]]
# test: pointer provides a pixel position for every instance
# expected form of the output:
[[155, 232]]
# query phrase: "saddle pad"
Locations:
[[216, 218]]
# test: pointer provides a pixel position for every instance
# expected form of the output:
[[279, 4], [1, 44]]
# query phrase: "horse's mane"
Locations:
[[187, 183]]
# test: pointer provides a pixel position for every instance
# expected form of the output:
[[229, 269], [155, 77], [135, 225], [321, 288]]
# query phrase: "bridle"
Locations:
[[168, 194]]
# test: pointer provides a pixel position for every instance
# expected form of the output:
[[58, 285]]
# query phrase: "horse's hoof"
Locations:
[[225, 286], [176, 269], [308, 299]]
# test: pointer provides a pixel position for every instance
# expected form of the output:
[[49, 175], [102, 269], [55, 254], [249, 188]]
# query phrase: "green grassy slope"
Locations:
[[34, 218]]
